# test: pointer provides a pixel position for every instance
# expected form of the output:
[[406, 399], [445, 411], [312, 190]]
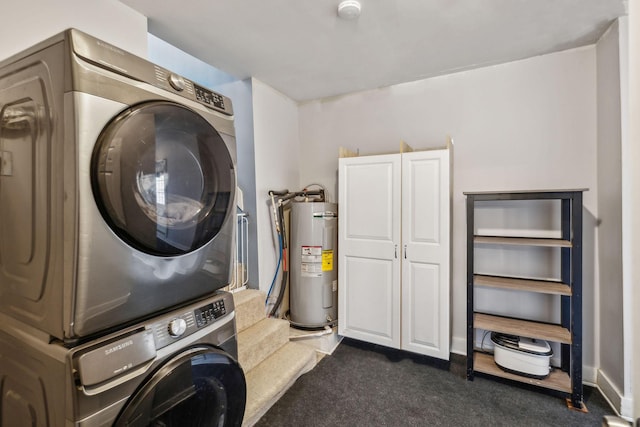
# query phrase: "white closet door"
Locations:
[[369, 270], [425, 252]]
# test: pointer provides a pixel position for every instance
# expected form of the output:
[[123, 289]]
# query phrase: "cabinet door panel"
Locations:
[[370, 211], [369, 230], [425, 257], [371, 301], [421, 310]]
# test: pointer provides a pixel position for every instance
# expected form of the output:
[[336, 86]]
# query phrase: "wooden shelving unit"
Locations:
[[568, 377]]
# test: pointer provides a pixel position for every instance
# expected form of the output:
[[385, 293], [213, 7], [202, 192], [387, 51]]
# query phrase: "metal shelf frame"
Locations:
[[570, 272]]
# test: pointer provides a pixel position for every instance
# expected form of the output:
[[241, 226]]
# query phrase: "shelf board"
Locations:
[[535, 193], [523, 241], [557, 379], [524, 328], [519, 284]]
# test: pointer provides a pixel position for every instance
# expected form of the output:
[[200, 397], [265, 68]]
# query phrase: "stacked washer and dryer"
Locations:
[[117, 225]]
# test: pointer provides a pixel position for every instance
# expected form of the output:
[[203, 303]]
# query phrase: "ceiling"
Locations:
[[304, 50]]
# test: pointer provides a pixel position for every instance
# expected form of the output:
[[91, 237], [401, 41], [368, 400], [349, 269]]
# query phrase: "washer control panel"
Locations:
[[182, 324], [137, 347], [209, 313]]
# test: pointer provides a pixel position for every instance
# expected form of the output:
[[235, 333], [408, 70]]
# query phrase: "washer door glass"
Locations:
[[163, 178], [200, 387]]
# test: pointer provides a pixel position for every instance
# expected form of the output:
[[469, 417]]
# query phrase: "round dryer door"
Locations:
[[200, 387], [163, 178]]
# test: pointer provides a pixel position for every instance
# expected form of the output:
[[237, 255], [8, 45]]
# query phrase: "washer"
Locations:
[[176, 370], [117, 188]]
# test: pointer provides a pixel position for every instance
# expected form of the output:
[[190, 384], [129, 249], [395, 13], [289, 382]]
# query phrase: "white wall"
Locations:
[[25, 23], [631, 197], [529, 124], [275, 127], [610, 290]]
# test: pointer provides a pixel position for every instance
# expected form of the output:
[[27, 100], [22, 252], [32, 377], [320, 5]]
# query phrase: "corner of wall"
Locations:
[[277, 147]]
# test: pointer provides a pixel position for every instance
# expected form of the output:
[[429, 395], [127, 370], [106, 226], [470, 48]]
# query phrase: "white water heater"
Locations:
[[313, 263]]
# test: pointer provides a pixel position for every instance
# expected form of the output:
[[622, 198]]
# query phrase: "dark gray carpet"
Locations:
[[368, 385]]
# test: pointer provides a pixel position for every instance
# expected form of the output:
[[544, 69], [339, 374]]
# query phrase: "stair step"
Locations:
[[259, 341], [269, 380], [249, 307]]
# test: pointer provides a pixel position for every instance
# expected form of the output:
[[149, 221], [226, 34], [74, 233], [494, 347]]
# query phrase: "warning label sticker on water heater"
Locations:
[[327, 260], [311, 262]]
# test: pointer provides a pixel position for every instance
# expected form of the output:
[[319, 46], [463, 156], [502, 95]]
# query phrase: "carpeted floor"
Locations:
[[368, 385]]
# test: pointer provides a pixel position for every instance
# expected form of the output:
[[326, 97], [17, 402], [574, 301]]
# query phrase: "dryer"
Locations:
[[179, 369], [117, 188]]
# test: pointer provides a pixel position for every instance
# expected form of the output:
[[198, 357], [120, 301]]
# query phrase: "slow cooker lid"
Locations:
[[523, 344]]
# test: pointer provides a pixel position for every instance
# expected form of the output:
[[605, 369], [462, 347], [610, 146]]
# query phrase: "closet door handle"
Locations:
[[395, 251], [405, 251]]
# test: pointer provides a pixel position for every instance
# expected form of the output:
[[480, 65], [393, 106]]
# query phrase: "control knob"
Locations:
[[177, 327], [177, 82]]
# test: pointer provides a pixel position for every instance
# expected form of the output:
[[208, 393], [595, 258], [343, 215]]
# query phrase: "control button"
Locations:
[[176, 82], [177, 327]]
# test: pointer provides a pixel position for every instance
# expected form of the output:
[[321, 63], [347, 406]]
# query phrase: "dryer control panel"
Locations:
[[119, 61], [209, 97]]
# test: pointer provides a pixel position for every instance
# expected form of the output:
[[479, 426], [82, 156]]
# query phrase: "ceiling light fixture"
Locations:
[[349, 9]]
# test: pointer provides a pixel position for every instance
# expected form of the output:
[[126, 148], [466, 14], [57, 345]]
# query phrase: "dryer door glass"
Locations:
[[163, 178], [200, 387]]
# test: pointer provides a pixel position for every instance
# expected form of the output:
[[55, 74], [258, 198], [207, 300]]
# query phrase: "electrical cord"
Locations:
[[484, 336]]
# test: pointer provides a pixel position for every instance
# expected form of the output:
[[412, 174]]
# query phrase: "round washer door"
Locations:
[[163, 178], [199, 387]]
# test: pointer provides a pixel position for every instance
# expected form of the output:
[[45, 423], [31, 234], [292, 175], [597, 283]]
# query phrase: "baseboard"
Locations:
[[626, 409], [589, 375], [621, 404], [459, 346]]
